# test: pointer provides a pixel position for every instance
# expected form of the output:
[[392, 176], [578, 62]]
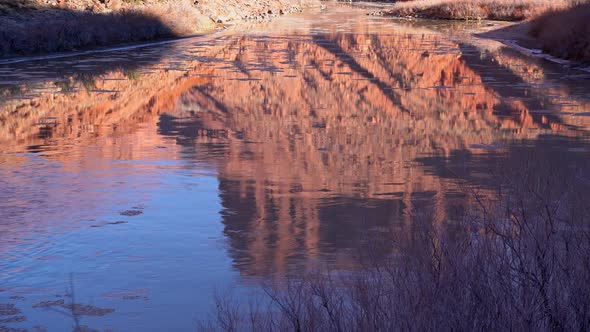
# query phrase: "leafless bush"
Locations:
[[521, 262]]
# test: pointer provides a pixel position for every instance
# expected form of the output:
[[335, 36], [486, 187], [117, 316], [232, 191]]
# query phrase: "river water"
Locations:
[[137, 182]]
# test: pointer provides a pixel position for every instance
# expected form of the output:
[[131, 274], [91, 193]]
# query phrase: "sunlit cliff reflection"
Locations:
[[318, 141], [321, 142]]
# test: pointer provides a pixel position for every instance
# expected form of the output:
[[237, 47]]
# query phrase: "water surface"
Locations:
[[144, 179]]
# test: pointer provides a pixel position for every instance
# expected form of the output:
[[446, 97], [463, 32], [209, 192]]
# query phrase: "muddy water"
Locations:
[[134, 183]]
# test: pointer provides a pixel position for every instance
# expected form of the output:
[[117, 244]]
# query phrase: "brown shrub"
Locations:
[[47, 31], [505, 10], [566, 33]]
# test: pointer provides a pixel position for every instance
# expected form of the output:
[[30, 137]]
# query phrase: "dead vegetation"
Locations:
[[44, 26], [54, 30], [559, 27], [503, 10], [521, 262], [565, 33]]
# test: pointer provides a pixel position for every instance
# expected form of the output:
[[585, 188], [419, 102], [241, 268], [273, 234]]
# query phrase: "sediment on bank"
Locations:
[[47, 26]]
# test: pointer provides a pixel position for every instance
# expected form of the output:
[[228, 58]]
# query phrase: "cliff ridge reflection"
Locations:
[[321, 142], [332, 142]]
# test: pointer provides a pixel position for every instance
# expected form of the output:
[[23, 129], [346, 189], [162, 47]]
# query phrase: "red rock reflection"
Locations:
[[315, 138]]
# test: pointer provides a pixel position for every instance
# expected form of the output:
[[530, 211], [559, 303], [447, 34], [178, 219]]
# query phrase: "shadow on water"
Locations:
[[29, 28], [545, 156], [24, 80]]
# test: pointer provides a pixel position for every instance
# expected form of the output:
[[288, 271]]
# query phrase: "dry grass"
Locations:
[[521, 263], [504, 10], [46, 31], [566, 33]]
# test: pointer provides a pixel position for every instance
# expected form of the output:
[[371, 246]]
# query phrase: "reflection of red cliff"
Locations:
[[88, 117], [121, 126], [345, 115], [312, 121], [353, 107]]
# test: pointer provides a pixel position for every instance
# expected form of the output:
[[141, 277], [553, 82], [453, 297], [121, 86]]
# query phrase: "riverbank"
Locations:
[[501, 10], [570, 43], [571, 40], [31, 27], [558, 28]]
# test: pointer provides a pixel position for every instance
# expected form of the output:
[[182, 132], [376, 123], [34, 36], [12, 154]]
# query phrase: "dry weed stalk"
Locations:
[[521, 262]]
